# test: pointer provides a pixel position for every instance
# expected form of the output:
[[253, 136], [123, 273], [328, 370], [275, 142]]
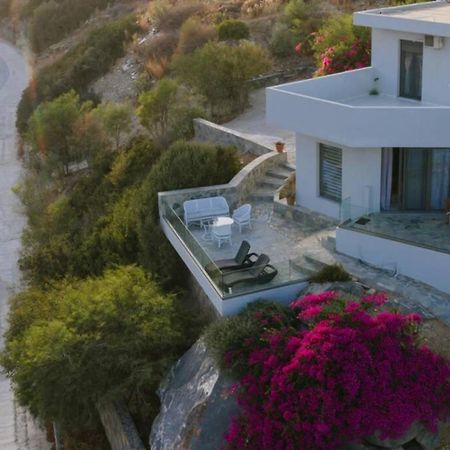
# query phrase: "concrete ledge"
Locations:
[[206, 131], [419, 263], [236, 191]]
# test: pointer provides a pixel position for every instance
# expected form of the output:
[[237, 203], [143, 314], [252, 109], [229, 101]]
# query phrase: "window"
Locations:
[[330, 172], [411, 59]]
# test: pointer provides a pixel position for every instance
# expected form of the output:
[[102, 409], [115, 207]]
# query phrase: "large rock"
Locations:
[[195, 406]]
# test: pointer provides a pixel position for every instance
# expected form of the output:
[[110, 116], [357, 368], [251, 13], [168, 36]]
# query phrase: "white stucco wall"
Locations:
[[361, 177], [420, 263], [436, 65]]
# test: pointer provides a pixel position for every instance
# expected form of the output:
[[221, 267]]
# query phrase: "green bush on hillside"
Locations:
[[76, 69], [282, 41], [5, 7], [73, 344], [221, 72], [167, 112], [183, 165], [233, 30]]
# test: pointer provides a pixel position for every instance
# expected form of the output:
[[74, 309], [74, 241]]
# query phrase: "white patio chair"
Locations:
[[242, 216], [221, 233]]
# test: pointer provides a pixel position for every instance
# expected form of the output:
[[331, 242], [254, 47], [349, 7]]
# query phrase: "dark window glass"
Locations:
[[411, 58], [330, 172]]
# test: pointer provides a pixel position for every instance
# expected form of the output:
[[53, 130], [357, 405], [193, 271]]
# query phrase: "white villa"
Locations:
[[373, 145], [372, 155]]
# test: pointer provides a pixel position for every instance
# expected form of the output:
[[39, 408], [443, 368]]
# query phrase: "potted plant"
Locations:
[[279, 145]]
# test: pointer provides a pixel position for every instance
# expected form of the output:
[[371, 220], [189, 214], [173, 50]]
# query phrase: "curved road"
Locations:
[[17, 430]]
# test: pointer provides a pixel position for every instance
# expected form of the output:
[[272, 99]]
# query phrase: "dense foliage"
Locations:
[[233, 30], [220, 73], [62, 133], [77, 68], [167, 111], [52, 20], [81, 341], [183, 165], [340, 372], [339, 46]]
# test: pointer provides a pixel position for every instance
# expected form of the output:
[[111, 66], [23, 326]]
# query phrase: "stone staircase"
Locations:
[[272, 180]]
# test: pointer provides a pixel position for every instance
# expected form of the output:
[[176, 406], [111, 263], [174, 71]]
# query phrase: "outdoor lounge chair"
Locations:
[[242, 259], [260, 272]]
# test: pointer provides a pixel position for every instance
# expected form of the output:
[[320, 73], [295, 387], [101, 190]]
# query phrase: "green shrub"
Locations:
[[220, 73], [230, 335], [233, 30], [80, 341], [282, 42], [52, 20], [330, 273], [77, 68], [60, 133], [167, 112], [194, 34], [304, 18], [183, 165], [5, 7], [171, 18]]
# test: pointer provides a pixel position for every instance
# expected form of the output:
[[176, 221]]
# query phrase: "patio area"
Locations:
[[428, 230], [281, 239]]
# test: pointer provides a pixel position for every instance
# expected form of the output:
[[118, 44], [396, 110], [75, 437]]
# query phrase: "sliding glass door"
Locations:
[[415, 179]]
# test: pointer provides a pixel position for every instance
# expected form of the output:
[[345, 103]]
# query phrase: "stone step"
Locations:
[[289, 167], [262, 194], [303, 266], [279, 172], [269, 181], [320, 258]]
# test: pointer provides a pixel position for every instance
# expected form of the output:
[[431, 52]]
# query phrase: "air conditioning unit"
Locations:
[[434, 41]]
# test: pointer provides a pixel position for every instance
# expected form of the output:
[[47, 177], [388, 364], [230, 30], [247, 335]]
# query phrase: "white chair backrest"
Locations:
[[243, 211], [222, 230]]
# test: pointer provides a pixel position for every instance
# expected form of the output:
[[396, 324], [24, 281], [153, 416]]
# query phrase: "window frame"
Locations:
[[323, 191]]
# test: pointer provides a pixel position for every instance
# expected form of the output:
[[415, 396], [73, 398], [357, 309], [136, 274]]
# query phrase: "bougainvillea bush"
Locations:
[[346, 370], [339, 46]]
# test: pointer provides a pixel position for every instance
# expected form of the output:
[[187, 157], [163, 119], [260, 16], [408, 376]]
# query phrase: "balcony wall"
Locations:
[[338, 108]]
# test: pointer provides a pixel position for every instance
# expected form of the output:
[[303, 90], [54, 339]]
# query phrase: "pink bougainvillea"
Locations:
[[344, 56], [347, 370]]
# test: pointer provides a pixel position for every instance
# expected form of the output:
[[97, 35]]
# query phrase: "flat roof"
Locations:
[[422, 18]]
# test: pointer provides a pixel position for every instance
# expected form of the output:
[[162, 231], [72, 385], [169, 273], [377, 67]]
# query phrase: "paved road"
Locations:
[[17, 429]]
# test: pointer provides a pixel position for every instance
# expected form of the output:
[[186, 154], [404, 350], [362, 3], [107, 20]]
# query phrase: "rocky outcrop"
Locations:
[[195, 405]]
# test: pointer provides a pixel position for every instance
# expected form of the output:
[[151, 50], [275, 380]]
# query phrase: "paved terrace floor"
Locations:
[[426, 229], [279, 238], [253, 123]]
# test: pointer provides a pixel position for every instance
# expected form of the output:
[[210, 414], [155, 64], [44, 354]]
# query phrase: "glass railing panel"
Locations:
[[252, 279], [194, 247], [425, 229], [234, 282]]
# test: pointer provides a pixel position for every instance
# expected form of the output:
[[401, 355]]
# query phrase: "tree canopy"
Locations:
[[81, 340]]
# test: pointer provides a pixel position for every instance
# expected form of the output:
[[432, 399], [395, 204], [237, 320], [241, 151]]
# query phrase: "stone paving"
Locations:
[[17, 430], [270, 234], [427, 229], [253, 123], [292, 243]]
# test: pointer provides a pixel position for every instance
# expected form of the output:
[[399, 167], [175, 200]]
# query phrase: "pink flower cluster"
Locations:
[[345, 56], [352, 371]]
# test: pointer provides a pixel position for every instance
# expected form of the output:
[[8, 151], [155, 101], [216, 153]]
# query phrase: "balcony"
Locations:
[[409, 243], [338, 108]]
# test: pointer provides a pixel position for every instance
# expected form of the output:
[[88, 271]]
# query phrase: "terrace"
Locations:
[[272, 234], [340, 109], [409, 243]]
